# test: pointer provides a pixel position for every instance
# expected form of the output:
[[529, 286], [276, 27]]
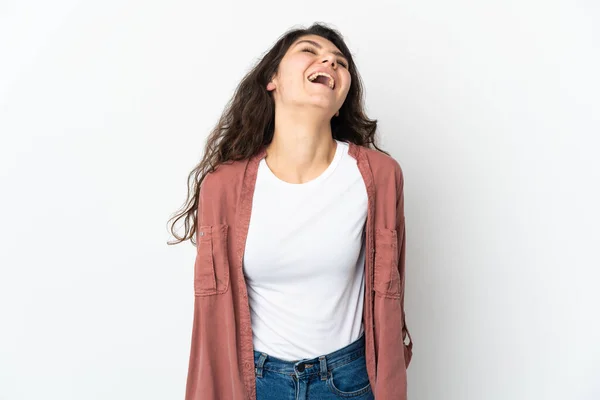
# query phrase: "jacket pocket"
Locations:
[[211, 269], [386, 276]]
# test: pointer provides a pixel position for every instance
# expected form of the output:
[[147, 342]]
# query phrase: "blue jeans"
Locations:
[[338, 375]]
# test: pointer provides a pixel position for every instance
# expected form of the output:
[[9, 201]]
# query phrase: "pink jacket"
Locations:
[[221, 364]]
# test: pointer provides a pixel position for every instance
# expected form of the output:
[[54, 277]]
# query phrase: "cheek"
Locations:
[[347, 83], [290, 75], [296, 67]]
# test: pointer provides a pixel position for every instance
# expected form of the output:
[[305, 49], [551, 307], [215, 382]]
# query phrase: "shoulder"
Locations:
[[384, 167], [225, 176]]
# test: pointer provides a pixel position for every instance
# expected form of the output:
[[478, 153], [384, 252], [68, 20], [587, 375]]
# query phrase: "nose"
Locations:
[[333, 62]]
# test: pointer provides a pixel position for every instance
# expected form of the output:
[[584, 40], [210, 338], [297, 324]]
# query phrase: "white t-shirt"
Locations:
[[304, 260]]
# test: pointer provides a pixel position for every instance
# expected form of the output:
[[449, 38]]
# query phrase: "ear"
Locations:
[[272, 82]]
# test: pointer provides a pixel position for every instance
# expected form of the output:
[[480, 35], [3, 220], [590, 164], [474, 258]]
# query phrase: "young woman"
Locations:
[[299, 224]]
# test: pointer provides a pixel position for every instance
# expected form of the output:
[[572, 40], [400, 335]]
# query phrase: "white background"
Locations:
[[491, 108]]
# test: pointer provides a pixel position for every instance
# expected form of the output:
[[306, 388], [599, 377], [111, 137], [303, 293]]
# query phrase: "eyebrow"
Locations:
[[317, 45]]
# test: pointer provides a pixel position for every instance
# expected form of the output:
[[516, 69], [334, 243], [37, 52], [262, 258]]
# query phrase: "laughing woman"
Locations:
[[298, 221]]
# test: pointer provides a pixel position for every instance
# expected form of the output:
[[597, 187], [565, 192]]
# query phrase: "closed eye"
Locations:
[[311, 50]]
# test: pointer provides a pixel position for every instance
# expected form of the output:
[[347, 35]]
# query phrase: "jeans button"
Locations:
[[300, 367]]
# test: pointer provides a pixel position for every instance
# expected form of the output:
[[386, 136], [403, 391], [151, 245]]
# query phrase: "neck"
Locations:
[[302, 146]]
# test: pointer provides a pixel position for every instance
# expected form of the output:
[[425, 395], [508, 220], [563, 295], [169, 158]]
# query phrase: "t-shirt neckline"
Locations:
[[328, 171]]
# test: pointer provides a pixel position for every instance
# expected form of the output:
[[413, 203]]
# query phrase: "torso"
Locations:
[[304, 260]]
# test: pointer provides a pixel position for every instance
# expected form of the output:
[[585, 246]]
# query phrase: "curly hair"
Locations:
[[247, 123]]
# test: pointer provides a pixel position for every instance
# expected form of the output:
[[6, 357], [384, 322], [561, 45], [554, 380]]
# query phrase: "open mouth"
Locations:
[[322, 78]]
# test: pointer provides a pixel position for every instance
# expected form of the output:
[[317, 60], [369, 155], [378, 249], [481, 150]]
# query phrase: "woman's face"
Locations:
[[291, 85]]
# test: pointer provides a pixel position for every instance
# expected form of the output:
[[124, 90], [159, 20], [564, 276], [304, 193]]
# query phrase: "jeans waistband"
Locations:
[[311, 366]]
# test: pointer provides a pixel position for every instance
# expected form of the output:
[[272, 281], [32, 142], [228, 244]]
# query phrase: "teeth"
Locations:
[[316, 74]]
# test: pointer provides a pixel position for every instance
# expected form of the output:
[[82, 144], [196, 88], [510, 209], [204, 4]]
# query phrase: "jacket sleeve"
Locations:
[[195, 384], [213, 372], [401, 228]]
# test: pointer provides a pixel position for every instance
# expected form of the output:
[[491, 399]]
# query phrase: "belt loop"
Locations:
[[261, 363], [323, 364]]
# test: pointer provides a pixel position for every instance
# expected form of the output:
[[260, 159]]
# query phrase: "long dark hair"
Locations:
[[247, 123]]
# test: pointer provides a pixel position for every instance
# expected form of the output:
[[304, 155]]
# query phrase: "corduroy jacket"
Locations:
[[221, 363]]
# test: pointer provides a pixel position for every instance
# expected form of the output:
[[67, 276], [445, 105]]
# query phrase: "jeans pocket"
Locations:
[[350, 380]]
